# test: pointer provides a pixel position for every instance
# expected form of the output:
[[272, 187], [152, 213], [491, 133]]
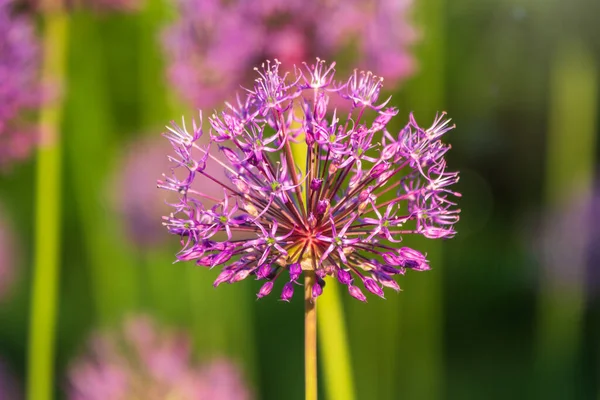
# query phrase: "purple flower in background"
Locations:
[[567, 243], [7, 257], [213, 44], [366, 186], [19, 83], [142, 363]]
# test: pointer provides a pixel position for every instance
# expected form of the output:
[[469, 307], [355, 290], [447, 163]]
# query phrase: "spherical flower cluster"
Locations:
[[19, 83], [214, 42], [365, 187], [143, 363]]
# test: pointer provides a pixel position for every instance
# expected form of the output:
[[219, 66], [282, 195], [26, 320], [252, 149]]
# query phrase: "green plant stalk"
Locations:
[[333, 340], [418, 340], [88, 139], [42, 326], [334, 345], [310, 337], [570, 165]]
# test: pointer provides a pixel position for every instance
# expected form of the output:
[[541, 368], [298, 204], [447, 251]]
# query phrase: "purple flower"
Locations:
[[19, 83], [366, 187], [141, 362], [213, 44]]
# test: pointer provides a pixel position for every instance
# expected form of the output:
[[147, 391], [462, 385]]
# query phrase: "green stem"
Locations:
[[334, 345], [310, 337], [40, 366], [570, 164]]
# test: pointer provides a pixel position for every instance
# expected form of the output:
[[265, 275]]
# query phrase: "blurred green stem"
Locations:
[[40, 363], [570, 164], [310, 337]]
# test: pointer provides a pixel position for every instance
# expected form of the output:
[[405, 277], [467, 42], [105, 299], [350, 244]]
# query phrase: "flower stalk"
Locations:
[[310, 337], [47, 211]]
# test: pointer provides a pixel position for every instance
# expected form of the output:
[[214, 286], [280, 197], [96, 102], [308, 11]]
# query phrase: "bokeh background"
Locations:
[[511, 308]]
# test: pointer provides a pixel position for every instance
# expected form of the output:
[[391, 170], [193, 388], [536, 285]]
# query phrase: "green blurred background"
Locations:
[[490, 321]]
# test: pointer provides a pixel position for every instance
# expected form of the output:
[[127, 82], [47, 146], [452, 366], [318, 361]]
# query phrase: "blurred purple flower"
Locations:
[[567, 243], [8, 384], [7, 257], [142, 363], [214, 43], [19, 83], [363, 193]]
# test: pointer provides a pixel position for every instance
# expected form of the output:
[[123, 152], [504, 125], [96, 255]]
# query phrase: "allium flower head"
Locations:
[[214, 42], [143, 363], [19, 82], [365, 187]]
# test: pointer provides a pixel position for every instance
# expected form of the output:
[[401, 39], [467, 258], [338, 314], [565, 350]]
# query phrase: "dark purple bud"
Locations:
[[344, 277], [295, 271], [317, 290], [263, 271], [221, 257], [265, 289], [287, 292], [316, 184], [373, 287], [356, 293], [391, 270], [322, 207], [224, 276], [417, 266]]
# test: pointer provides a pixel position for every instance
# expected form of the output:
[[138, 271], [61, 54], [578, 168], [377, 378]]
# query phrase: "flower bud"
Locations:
[[287, 292], [265, 289], [356, 293]]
